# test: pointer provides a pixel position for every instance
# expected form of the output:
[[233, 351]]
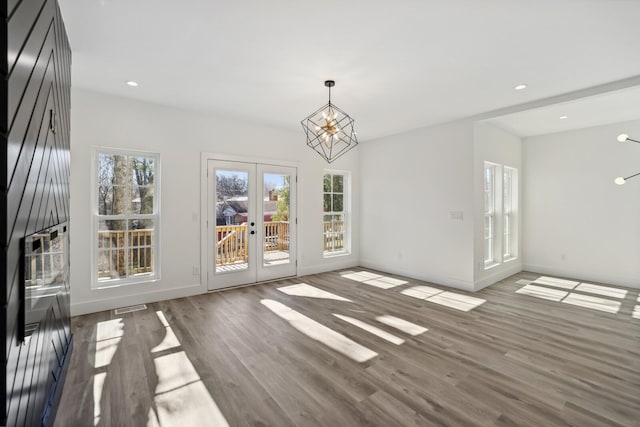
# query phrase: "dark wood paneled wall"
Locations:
[[34, 194]]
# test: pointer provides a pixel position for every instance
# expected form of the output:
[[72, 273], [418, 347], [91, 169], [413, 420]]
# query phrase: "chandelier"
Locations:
[[621, 180], [330, 130]]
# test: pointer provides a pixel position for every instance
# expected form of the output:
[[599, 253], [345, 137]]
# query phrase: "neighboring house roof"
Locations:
[[240, 205]]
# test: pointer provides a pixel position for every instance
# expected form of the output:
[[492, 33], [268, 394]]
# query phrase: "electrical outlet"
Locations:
[[457, 215], [196, 270]]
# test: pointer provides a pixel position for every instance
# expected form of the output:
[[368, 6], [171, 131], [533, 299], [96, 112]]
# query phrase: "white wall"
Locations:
[[410, 184], [578, 223], [180, 137], [493, 144]]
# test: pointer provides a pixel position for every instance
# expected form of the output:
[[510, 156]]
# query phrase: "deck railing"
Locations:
[[231, 246], [112, 245], [333, 235], [276, 236], [232, 243]]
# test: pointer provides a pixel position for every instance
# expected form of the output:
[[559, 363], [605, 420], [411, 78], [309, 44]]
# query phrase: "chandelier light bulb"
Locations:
[[623, 137], [620, 180]]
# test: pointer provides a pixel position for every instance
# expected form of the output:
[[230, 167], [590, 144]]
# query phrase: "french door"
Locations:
[[251, 224]]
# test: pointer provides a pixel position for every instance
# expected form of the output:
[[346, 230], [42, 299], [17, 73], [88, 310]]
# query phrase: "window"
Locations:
[[489, 214], [126, 220], [509, 212], [336, 222], [500, 214]]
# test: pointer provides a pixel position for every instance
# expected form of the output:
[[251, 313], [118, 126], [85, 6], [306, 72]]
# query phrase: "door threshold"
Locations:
[[228, 288]]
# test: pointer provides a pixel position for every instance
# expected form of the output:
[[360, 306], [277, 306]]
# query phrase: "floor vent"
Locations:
[[123, 310], [523, 282]]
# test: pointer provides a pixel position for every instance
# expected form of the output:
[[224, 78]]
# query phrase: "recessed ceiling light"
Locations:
[[564, 117], [520, 87], [132, 83]]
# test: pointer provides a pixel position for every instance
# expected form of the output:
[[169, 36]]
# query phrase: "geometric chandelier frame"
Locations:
[[330, 131]]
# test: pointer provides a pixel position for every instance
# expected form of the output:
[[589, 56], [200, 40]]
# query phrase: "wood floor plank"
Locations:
[[227, 358]]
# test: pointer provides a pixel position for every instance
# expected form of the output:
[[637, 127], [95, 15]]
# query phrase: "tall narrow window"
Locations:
[[336, 222], [126, 220], [489, 214], [509, 212]]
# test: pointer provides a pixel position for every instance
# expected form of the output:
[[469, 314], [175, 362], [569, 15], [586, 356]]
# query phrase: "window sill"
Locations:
[[335, 254], [510, 259], [116, 283], [492, 265]]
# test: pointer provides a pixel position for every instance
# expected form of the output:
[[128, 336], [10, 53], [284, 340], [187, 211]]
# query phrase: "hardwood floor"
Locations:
[[259, 356]]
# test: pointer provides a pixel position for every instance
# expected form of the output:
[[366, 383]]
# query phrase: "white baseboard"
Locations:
[[103, 304], [583, 276], [504, 271], [449, 282]]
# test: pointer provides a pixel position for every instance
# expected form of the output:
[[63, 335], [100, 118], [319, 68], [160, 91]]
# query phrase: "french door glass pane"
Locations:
[[276, 211], [232, 207]]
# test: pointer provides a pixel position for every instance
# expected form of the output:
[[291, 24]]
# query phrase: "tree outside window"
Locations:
[[127, 215]]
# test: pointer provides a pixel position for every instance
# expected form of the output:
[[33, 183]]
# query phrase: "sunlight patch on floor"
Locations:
[[456, 301], [554, 281], [320, 333], [181, 398], [98, 386], [595, 303], [542, 292], [359, 276], [109, 333], [304, 290], [421, 292], [606, 291], [371, 329], [636, 311], [446, 298], [574, 297], [373, 279], [108, 336], [385, 282], [170, 340], [402, 325]]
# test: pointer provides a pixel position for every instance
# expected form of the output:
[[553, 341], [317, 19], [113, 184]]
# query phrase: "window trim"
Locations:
[[513, 215], [346, 212], [500, 210], [96, 217], [493, 215]]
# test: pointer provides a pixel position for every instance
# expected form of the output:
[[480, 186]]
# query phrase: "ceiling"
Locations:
[[397, 65], [610, 107]]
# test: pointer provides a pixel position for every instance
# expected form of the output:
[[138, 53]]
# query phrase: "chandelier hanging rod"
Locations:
[[329, 84]]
